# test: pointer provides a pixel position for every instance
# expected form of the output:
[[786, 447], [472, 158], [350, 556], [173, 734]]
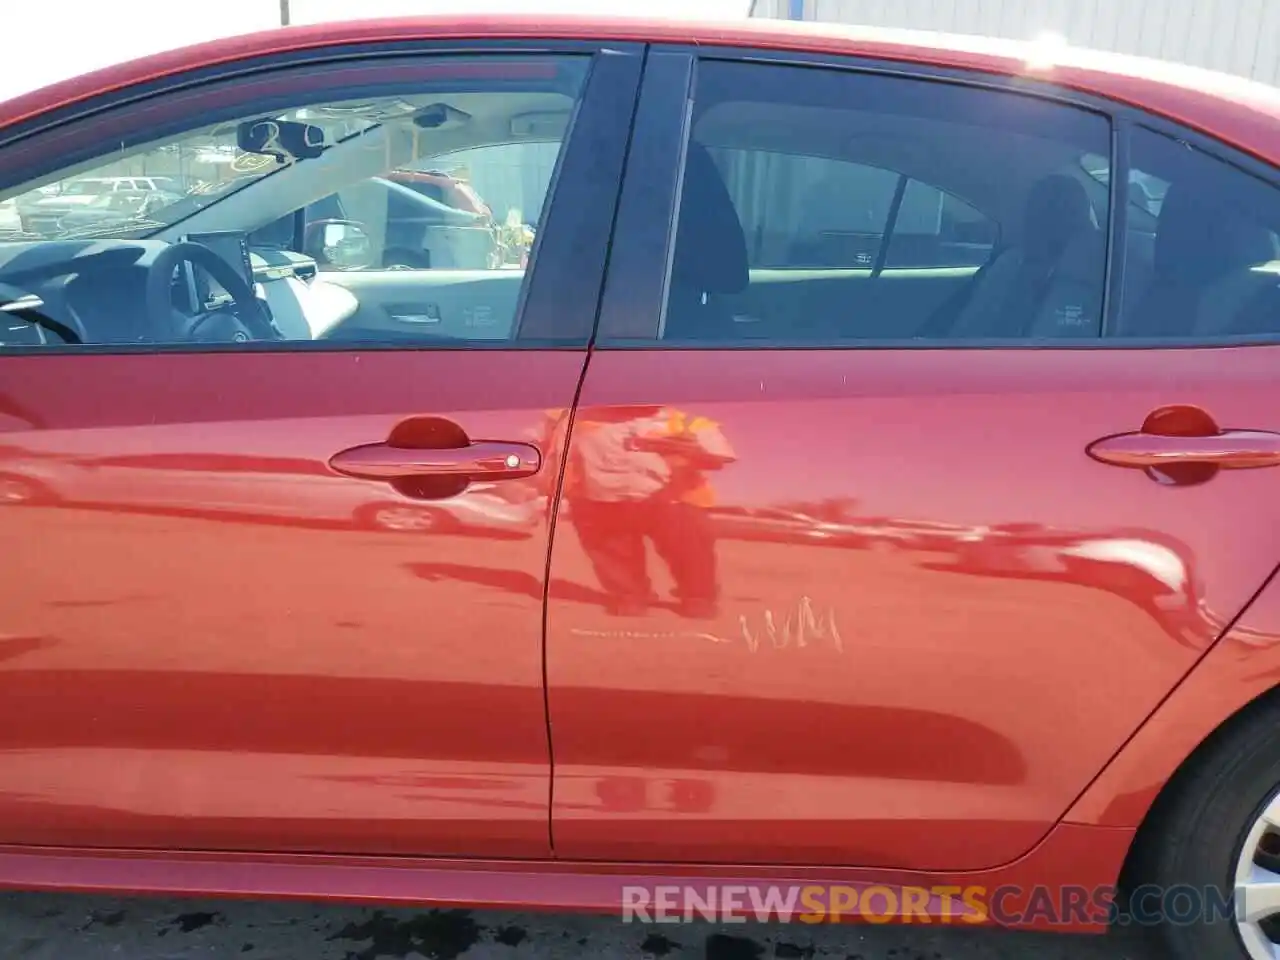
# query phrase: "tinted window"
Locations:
[[824, 206], [843, 212], [1201, 257]]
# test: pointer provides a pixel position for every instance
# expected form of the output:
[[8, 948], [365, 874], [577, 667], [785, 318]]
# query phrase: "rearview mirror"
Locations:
[[282, 139]]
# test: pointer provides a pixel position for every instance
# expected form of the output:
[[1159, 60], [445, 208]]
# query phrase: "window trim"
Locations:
[[1122, 118], [634, 303], [558, 312], [337, 55], [1117, 231]]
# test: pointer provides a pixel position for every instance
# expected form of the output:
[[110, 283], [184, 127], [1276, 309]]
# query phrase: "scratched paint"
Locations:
[[798, 626]]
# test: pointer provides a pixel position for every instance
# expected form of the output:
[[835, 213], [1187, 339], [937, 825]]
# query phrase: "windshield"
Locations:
[[85, 188], [214, 161]]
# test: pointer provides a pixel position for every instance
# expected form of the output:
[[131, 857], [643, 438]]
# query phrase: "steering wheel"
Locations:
[[247, 323]]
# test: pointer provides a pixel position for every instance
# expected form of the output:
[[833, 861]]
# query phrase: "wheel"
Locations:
[[404, 518], [1216, 842]]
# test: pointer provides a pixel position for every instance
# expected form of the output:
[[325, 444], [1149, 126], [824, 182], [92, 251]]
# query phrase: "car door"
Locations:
[[1007, 540], [255, 606]]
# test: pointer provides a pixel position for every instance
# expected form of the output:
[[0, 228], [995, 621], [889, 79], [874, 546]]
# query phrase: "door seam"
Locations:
[[553, 526], [546, 596]]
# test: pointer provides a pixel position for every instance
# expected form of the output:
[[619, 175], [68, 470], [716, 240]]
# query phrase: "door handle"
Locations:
[[1228, 449], [480, 460]]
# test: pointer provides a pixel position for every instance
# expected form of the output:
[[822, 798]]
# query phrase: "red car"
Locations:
[[775, 268]]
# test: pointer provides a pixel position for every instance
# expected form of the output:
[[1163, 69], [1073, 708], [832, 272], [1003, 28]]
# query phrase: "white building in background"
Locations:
[[1234, 36]]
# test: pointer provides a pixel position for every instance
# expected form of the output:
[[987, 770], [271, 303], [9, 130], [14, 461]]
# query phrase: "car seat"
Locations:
[[710, 257], [1029, 288], [1204, 269]]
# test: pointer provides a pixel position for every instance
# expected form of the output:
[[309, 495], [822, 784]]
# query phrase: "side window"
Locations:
[[822, 206], [934, 229], [807, 213], [372, 209], [1202, 255], [473, 209]]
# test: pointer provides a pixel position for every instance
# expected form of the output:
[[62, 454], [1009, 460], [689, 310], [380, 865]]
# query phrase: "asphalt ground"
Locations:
[[75, 927]]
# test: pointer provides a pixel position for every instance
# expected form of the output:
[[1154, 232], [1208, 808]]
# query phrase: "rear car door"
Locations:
[[857, 578], [286, 592]]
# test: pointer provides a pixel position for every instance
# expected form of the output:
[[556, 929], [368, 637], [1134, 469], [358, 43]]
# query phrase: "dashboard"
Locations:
[[202, 290], [96, 291]]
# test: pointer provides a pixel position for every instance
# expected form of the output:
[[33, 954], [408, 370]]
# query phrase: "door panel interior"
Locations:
[[467, 304], [840, 304]]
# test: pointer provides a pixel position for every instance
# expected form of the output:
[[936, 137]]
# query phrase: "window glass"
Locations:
[[310, 206], [936, 230], [85, 188], [1146, 192], [1201, 260], [823, 206], [472, 209]]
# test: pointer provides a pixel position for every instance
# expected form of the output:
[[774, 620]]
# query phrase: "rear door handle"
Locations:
[[481, 460], [1228, 449]]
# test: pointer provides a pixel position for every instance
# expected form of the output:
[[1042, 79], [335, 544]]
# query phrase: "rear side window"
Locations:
[[822, 206], [1202, 259], [804, 213]]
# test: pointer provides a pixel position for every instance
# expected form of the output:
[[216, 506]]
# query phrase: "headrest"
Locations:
[[1058, 209], [1072, 307], [1198, 239], [711, 247]]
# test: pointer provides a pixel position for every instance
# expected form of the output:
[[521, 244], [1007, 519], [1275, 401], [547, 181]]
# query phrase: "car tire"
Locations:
[[1220, 805]]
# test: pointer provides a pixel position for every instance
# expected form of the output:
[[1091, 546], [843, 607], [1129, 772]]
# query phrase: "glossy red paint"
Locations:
[[1238, 111], [934, 664], [1074, 856], [210, 640], [1242, 670], [917, 672]]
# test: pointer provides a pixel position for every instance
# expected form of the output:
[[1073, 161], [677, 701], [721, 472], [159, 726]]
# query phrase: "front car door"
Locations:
[[998, 542], [275, 569]]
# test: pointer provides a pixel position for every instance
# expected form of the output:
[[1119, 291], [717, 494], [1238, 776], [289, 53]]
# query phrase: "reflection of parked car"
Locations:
[[766, 523], [259, 488], [1139, 565]]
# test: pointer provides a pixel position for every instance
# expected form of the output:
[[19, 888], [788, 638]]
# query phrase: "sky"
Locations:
[[90, 35]]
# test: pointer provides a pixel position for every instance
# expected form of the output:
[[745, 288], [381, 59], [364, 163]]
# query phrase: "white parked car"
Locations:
[[43, 213]]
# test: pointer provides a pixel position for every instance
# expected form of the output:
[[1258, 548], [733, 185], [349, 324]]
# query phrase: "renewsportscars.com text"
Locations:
[[1006, 905]]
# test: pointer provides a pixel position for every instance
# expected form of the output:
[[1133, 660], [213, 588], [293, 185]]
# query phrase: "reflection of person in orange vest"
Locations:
[[637, 473]]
